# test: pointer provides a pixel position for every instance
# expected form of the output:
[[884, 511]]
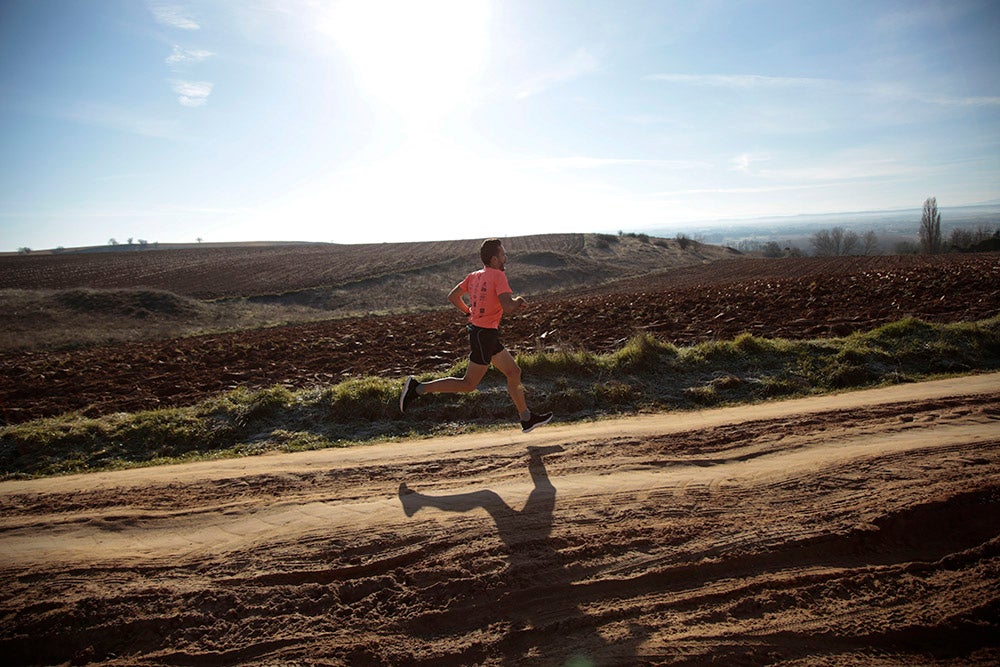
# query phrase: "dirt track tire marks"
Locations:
[[857, 528]]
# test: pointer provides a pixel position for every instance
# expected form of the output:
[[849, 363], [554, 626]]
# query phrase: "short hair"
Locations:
[[489, 250]]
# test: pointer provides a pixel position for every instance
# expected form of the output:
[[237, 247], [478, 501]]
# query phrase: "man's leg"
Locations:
[[505, 363], [474, 374]]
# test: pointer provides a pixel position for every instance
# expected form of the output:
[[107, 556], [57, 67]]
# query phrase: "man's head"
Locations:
[[492, 253]]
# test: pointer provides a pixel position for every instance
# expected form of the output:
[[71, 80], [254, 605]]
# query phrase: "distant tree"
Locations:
[[869, 243], [199, 239], [849, 243], [834, 242], [112, 242], [960, 240], [989, 244], [823, 244], [130, 240], [971, 240], [930, 227], [25, 250], [762, 248], [683, 241], [772, 249]]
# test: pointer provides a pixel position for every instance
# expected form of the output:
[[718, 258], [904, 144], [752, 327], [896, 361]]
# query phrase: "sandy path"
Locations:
[[857, 528]]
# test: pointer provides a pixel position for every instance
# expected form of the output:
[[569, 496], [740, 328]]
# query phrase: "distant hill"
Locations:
[[363, 277]]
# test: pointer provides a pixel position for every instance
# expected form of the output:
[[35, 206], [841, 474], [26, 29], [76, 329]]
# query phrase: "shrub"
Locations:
[[363, 399], [642, 350]]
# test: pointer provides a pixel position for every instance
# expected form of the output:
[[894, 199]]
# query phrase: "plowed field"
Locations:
[[792, 298]]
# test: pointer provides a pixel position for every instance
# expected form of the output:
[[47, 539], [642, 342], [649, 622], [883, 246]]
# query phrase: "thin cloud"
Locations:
[[173, 16], [844, 169], [585, 162], [741, 162], [117, 118], [182, 57], [579, 64], [909, 18], [192, 93], [960, 101], [879, 90], [741, 80], [764, 189]]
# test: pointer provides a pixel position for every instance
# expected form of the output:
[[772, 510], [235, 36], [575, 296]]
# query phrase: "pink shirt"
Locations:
[[484, 288]]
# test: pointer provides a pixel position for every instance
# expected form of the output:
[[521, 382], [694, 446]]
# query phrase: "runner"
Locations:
[[490, 297]]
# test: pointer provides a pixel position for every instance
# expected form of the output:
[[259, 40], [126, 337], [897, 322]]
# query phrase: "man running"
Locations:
[[490, 297]]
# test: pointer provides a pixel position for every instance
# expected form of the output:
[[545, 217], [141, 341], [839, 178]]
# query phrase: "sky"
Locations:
[[375, 120]]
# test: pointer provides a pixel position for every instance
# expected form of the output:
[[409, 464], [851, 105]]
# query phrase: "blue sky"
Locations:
[[369, 120]]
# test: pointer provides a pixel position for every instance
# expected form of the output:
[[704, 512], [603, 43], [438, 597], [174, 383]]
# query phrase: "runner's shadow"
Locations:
[[536, 599], [533, 521]]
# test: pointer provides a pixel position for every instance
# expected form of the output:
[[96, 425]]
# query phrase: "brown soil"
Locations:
[[857, 529], [792, 298]]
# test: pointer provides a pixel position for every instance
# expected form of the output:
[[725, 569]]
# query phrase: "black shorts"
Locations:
[[485, 343]]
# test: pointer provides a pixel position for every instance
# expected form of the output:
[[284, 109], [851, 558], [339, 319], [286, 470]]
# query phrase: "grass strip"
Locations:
[[644, 375]]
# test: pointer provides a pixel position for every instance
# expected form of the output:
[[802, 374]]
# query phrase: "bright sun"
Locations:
[[422, 58]]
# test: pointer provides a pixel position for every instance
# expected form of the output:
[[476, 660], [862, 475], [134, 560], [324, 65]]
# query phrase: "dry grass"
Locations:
[[644, 374]]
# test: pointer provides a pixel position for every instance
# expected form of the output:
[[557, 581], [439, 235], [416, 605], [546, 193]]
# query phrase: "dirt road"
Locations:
[[861, 528]]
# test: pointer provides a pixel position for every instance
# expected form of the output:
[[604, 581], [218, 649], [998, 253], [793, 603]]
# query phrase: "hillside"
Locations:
[[59, 301], [335, 277]]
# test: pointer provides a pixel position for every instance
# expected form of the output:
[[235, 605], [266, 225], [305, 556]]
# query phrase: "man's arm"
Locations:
[[511, 303], [455, 297]]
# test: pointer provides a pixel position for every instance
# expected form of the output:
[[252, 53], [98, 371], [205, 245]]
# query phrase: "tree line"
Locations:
[[838, 241]]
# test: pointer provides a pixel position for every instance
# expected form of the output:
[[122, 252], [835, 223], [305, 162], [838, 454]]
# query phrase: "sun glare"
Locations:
[[431, 190], [423, 59], [420, 58]]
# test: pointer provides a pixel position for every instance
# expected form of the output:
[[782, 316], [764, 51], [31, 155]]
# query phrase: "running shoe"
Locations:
[[535, 420], [409, 393]]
